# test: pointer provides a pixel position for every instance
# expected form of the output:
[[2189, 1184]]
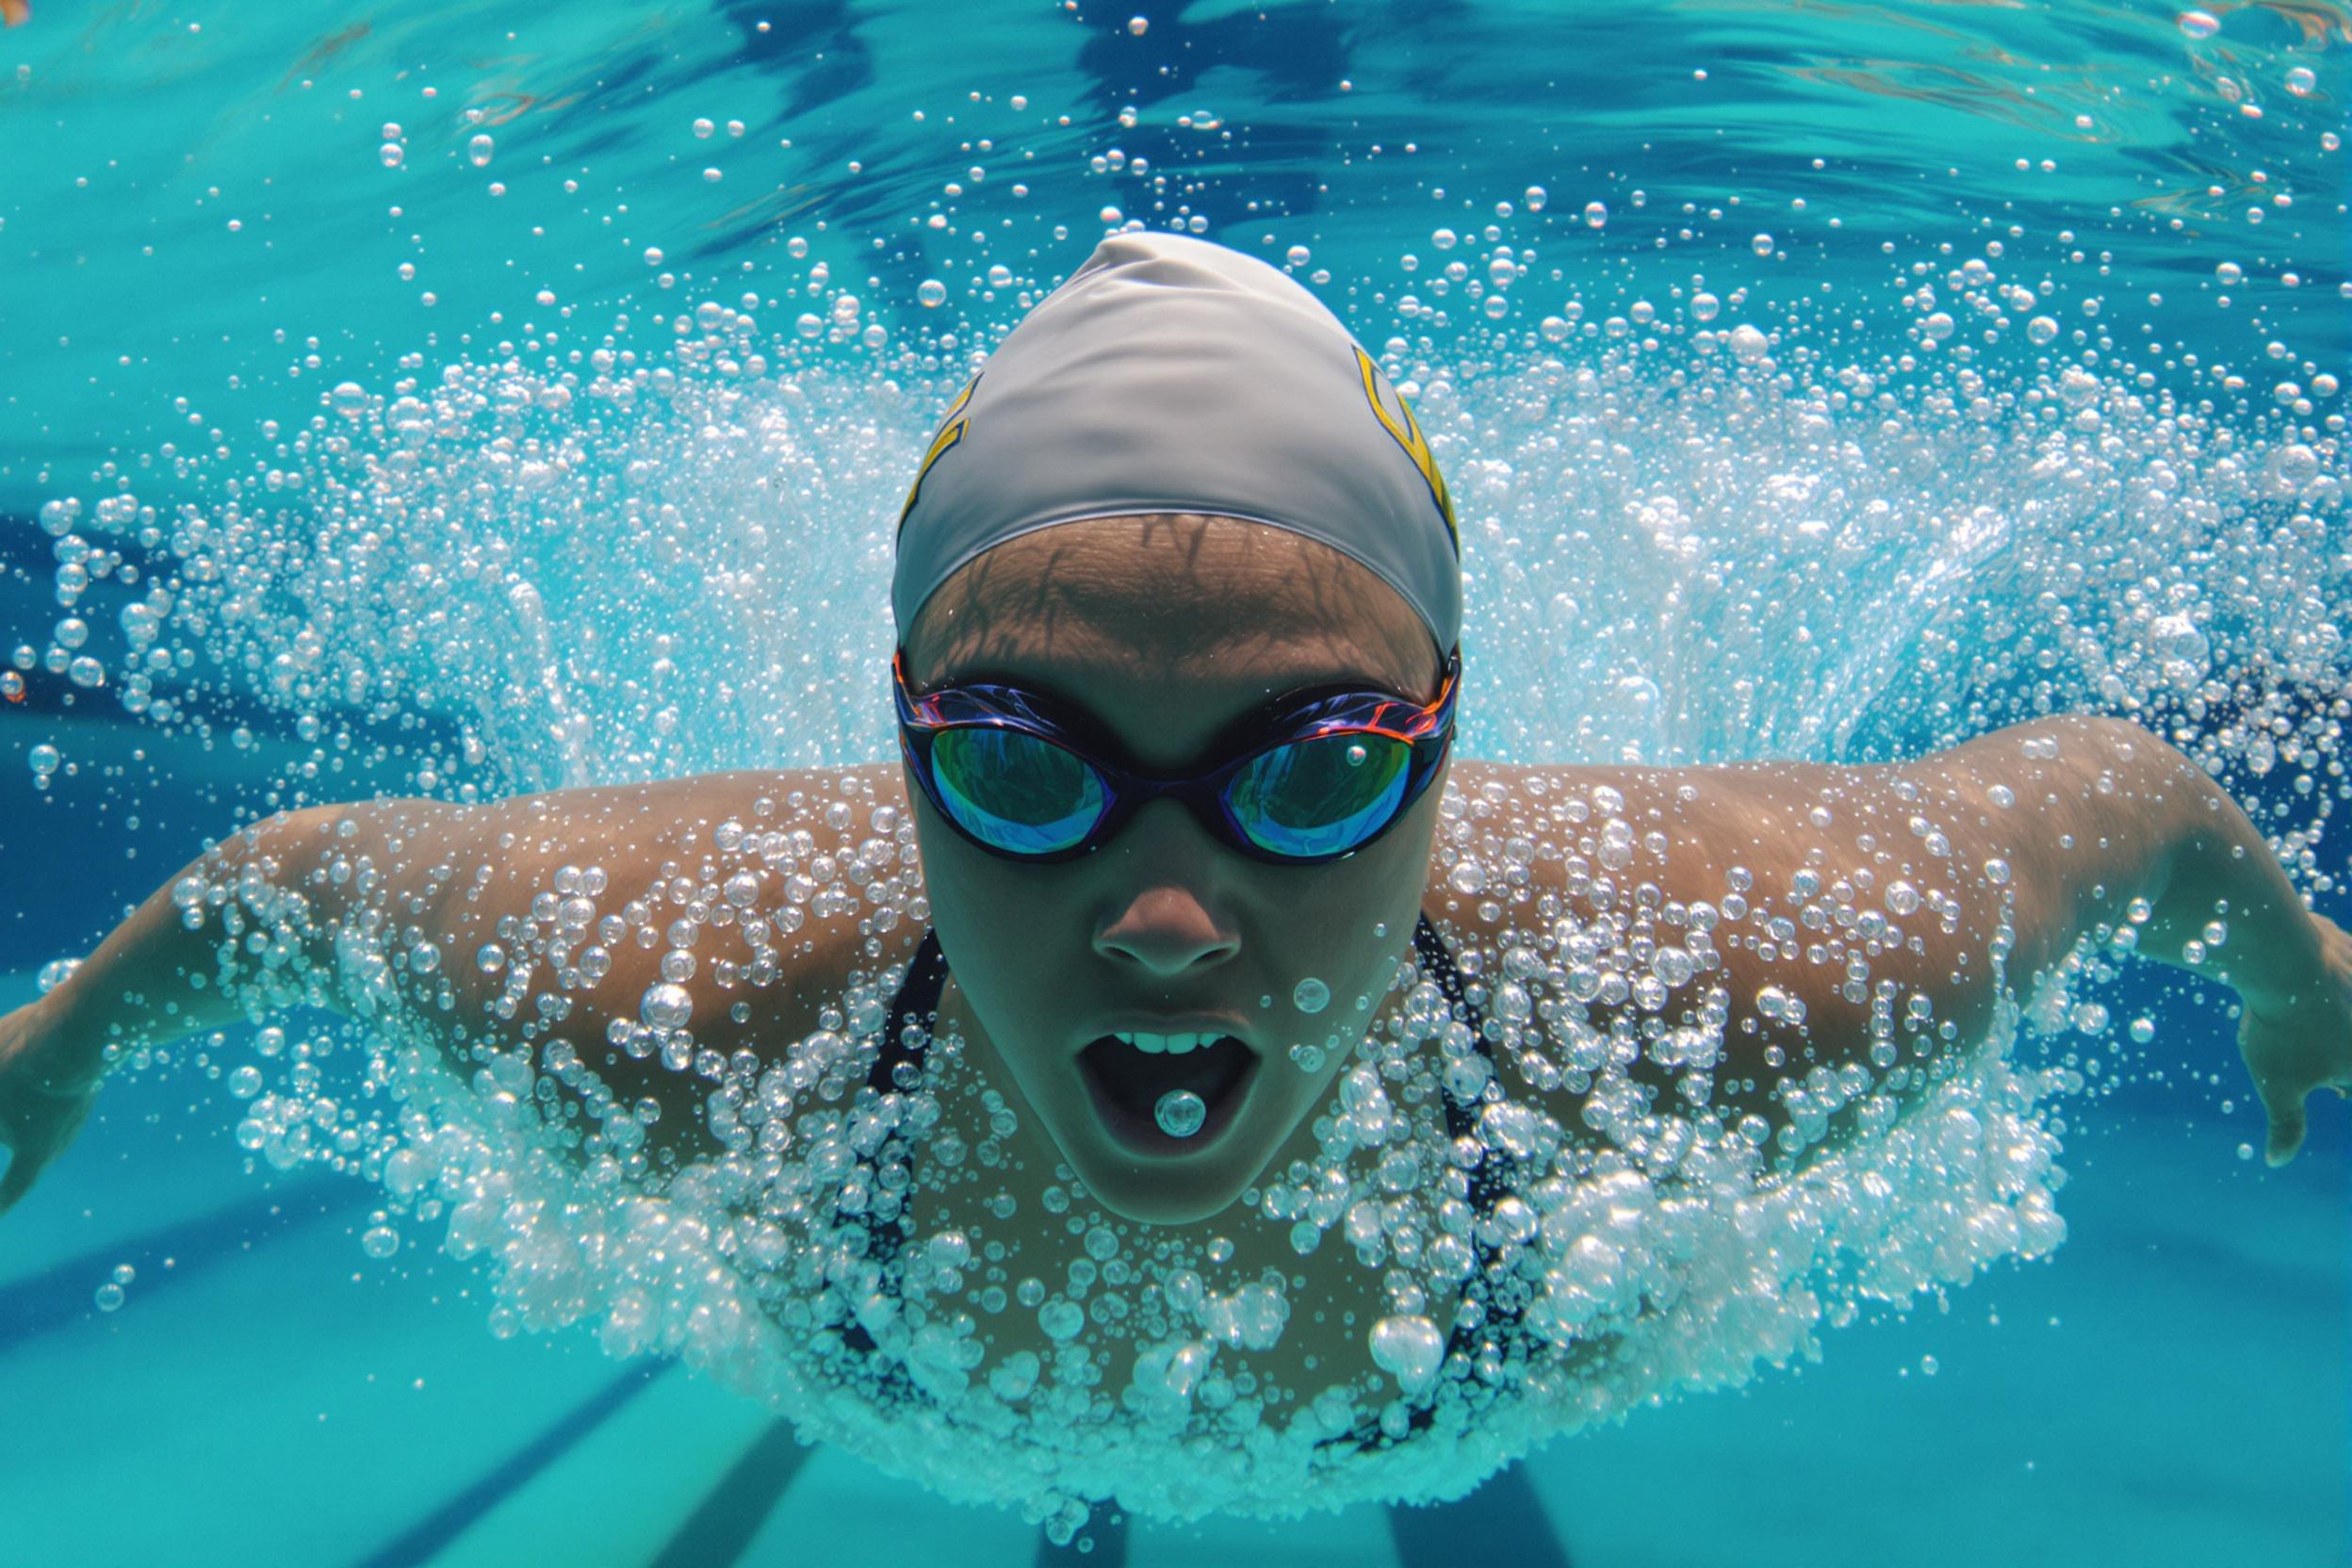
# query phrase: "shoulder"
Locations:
[[1533, 827], [1508, 834], [829, 853]]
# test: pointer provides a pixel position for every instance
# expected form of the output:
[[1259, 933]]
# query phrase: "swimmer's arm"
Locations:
[[2102, 814], [156, 976], [644, 859], [1822, 1011], [384, 879], [360, 909]]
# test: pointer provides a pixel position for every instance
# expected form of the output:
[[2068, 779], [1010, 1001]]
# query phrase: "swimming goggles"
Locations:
[[1313, 775]]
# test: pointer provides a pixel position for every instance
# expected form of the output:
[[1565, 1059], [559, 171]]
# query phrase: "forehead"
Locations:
[[1167, 627]]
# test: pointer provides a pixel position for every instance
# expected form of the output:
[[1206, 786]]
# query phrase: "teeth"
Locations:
[[1173, 1045]]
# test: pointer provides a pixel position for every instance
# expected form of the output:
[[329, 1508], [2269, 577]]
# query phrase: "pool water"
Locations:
[[1815, 382]]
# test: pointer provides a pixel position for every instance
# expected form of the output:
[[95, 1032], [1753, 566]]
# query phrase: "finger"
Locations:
[[2285, 1107]]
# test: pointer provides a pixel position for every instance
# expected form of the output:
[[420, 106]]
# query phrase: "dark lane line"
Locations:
[[731, 1512], [62, 1295], [421, 1541], [1501, 1521]]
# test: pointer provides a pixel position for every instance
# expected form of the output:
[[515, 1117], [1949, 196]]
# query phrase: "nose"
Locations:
[[1167, 930]]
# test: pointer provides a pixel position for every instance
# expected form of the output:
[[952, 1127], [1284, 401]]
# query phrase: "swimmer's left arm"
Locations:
[[1870, 917], [2129, 835]]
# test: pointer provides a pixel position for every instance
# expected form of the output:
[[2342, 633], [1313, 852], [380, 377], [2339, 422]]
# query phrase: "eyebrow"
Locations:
[[1087, 719]]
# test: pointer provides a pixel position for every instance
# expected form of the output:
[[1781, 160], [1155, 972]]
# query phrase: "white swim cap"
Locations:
[[1169, 374]]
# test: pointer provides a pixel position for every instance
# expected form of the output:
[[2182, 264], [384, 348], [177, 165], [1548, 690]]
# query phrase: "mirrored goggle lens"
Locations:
[[1323, 796], [1014, 791]]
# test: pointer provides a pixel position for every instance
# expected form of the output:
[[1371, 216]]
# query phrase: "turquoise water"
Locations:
[[1816, 381]]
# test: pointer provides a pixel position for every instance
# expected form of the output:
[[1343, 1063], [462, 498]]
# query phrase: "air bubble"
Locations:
[[1180, 1113], [666, 1006]]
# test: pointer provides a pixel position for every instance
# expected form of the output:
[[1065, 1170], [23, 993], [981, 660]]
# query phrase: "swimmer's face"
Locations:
[[1166, 629]]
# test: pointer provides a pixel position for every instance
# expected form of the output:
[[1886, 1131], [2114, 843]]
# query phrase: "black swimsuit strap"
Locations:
[[917, 1001], [1460, 1121]]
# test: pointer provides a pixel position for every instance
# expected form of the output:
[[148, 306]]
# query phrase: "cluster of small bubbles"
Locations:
[[109, 1296]]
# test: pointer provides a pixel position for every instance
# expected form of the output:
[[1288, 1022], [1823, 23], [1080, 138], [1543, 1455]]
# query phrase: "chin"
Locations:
[[1151, 1197]]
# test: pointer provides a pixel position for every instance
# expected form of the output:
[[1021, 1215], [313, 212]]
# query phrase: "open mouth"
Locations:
[[1127, 1085]]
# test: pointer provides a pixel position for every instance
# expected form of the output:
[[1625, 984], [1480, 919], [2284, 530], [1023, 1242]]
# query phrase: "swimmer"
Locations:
[[1180, 920]]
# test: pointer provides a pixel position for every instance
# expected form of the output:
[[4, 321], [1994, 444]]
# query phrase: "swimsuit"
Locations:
[[915, 1008]]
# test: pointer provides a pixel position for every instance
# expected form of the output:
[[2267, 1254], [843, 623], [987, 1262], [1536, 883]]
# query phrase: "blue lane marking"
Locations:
[[730, 1514], [428, 1535], [1501, 1521], [60, 1296]]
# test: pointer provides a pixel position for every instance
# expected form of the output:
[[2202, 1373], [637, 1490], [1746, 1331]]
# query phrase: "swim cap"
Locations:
[[1169, 374]]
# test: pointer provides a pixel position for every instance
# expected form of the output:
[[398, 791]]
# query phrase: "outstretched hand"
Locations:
[[41, 1110], [2301, 1041]]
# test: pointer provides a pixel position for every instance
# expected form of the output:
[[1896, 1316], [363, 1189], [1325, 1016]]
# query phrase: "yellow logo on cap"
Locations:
[[951, 430], [1410, 437]]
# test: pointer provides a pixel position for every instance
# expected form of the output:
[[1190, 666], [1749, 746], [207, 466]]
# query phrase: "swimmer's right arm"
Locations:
[[153, 980], [353, 903]]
